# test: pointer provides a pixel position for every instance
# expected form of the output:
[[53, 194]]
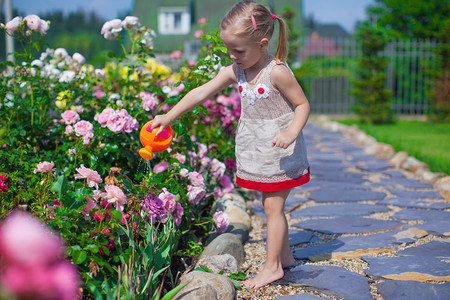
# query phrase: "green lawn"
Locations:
[[425, 141]]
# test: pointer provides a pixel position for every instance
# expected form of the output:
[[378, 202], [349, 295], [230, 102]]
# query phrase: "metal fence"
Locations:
[[328, 67]]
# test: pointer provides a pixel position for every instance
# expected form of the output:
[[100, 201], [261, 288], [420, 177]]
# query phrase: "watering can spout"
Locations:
[[146, 152]]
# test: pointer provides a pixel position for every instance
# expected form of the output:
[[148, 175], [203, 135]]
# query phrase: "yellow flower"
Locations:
[[62, 98], [123, 72], [151, 65]]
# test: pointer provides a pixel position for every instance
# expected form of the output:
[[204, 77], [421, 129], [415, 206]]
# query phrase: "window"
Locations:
[[174, 20]]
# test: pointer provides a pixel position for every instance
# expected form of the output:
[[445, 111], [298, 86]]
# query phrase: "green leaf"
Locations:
[[115, 214], [60, 185], [91, 247], [239, 276], [173, 292], [203, 269], [79, 257], [236, 284]]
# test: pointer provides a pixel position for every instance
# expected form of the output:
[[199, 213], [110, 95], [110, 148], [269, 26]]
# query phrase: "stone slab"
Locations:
[[258, 209], [413, 290], [357, 246], [345, 195], [300, 297], [436, 227], [404, 182], [297, 237], [321, 183], [338, 210], [348, 225], [416, 194], [437, 248], [374, 166], [340, 176], [394, 174], [414, 268], [421, 214], [329, 280], [293, 201], [414, 203]]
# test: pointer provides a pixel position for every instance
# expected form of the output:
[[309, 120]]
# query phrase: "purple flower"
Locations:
[[178, 214], [155, 209]]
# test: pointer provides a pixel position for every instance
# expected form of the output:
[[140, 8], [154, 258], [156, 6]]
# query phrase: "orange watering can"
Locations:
[[153, 143]]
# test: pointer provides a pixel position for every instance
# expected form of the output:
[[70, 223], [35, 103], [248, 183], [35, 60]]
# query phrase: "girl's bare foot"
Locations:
[[264, 277], [285, 263]]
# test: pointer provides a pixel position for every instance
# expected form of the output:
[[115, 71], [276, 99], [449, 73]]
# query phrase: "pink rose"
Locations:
[[44, 167], [98, 94], [13, 25], [111, 29], [91, 176], [88, 206], [149, 101], [218, 168], [202, 21], [161, 167], [184, 172], [27, 241], [33, 22], [196, 179], [43, 27], [198, 33], [33, 265], [195, 194], [70, 116], [130, 22], [69, 130], [222, 220], [168, 199], [105, 115], [177, 54], [83, 127], [180, 157], [116, 195]]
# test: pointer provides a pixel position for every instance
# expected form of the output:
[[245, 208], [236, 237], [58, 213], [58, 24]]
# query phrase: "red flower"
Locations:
[[3, 178]]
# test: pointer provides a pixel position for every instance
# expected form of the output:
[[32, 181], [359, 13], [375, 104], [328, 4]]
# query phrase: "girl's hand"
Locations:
[[162, 121], [283, 139]]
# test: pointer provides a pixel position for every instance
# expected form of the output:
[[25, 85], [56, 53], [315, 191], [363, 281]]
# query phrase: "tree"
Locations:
[[373, 100], [423, 20], [412, 18]]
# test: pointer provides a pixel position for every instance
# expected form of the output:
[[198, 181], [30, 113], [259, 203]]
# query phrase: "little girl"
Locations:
[[270, 150]]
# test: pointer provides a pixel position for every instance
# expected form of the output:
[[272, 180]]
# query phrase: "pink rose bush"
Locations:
[[32, 261], [33, 22], [3, 185], [118, 121], [70, 117]]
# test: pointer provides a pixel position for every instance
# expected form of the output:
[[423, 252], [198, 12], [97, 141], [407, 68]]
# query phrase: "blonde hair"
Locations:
[[240, 18]]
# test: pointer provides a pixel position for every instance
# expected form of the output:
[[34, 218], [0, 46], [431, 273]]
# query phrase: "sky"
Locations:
[[344, 12]]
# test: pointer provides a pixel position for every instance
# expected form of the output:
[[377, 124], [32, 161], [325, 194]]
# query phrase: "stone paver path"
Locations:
[[362, 230]]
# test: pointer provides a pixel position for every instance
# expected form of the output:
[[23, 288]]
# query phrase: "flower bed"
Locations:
[[69, 157]]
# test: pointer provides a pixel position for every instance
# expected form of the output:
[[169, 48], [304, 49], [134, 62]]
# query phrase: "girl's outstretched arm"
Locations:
[[224, 78], [284, 81]]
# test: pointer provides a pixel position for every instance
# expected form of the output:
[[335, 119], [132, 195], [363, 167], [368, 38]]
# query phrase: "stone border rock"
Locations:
[[224, 252], [400, 160]]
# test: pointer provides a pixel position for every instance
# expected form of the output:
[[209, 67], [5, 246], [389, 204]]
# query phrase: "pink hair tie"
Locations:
[[273, 16], [253, 21]]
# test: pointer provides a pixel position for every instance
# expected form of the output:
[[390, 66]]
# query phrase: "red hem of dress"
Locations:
[[273, 186]]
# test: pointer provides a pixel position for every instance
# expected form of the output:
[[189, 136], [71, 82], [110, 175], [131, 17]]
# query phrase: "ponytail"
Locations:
[[281, 52]]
